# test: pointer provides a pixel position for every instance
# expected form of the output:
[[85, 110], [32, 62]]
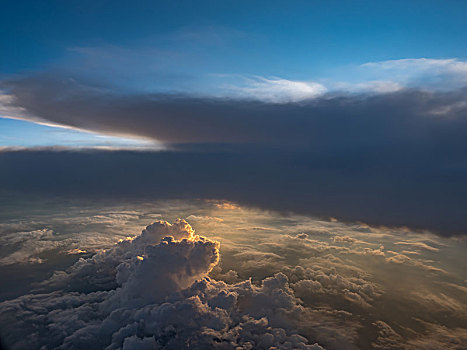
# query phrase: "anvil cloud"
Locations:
[[388, 158]]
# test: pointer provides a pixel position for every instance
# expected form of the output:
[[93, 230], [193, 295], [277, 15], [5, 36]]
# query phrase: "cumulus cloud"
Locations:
[[111, 267], [311, 282], [387, 338], [28, 246], [296, 282], [153, 292]]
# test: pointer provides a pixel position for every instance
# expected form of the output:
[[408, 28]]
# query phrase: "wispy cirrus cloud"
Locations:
[[429, 73], [274, 90], [422, 64]]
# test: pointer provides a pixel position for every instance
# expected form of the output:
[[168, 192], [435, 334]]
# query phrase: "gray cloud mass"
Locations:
[[330, 124], [387, 159]]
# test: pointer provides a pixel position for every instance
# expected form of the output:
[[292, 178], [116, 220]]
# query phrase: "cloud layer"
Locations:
[[285, 281], [408, 118], [421, 188], [153, 292], [392, 159]]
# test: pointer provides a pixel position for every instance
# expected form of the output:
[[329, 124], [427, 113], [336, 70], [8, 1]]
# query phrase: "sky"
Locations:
[[233, 175], [272, 51]]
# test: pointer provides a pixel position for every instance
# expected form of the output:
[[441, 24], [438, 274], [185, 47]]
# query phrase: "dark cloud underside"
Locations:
[[389, 159], [404, 191], [429, 122]]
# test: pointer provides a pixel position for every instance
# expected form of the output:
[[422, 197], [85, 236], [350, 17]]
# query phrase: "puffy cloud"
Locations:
[[30, 243], [153, 292], [166, 267], [305, 287], [387, 338], [377, 252], [230, 276], [310, 282], [304, 282], [38, 236], [111, 267]]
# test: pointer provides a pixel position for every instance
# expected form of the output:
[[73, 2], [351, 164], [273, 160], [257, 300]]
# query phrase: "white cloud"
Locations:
[[438, 74], [452, 65], [7, 107], [371, 87], [277, 90]]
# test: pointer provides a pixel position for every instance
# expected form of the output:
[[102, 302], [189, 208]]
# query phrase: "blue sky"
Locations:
[[265, 49], [273, 37], [20, 133]]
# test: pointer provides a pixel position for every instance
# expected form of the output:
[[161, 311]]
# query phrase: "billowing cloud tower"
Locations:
[[152, 292]]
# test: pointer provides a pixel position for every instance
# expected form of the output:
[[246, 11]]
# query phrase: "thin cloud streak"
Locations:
[[448, 65], [274, 90], [423, 73]]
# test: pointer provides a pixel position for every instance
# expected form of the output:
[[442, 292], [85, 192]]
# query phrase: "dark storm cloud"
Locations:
[[391, 159], [330, 124], [407, 188]]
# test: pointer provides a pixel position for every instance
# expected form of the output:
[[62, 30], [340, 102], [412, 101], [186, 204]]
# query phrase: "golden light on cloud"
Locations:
[[227, 205]]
